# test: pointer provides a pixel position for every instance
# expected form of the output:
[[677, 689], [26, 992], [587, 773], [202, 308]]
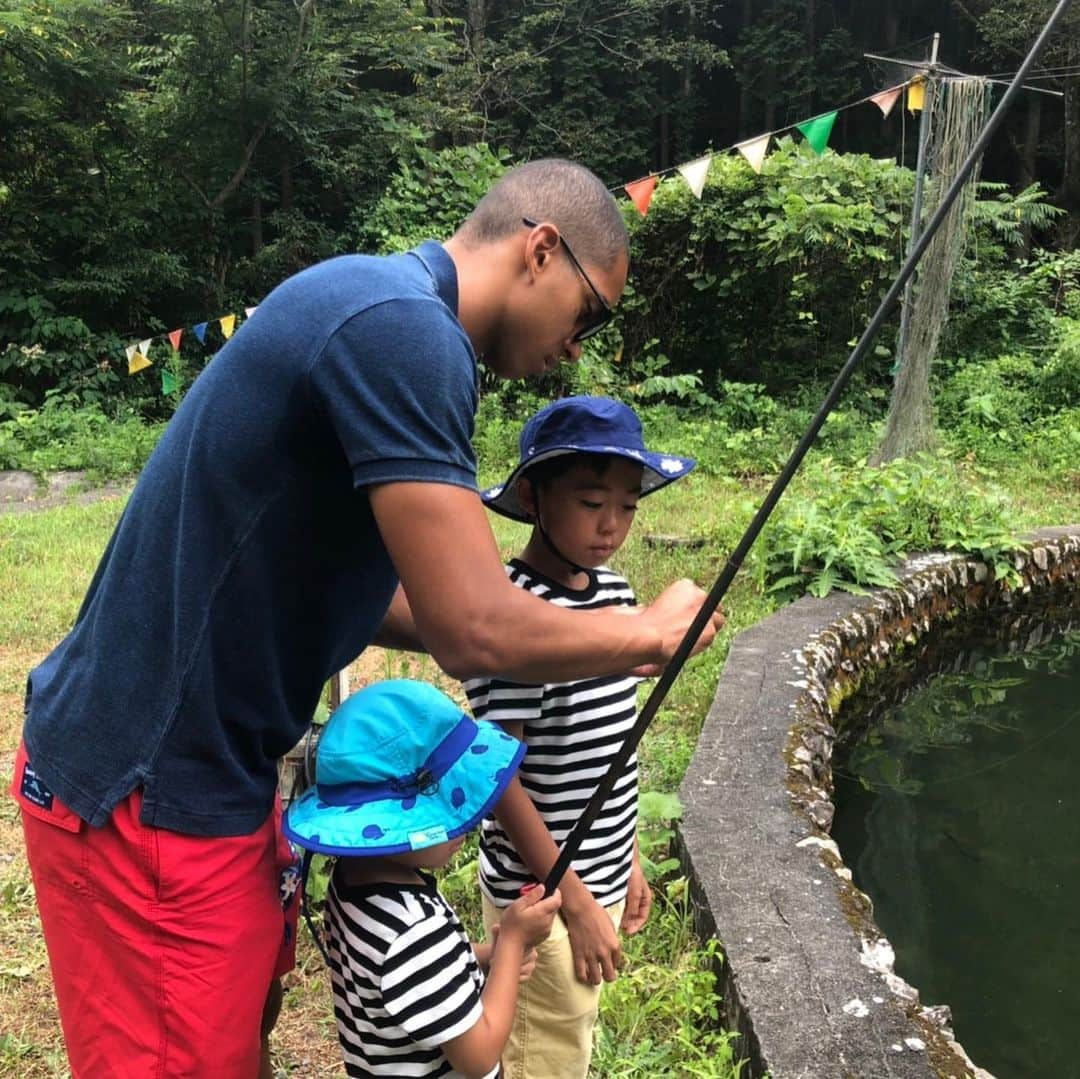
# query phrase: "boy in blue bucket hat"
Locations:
[[401, 776], [583, 468]]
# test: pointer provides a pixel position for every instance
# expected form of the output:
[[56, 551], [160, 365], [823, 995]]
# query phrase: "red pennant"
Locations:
[[641, 193], [174, 339]]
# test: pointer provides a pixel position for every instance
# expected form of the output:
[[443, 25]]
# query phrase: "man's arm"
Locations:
[[398, 630], [474, 622]]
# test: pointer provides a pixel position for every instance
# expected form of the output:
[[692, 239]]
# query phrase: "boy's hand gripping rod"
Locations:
[[712, 601]]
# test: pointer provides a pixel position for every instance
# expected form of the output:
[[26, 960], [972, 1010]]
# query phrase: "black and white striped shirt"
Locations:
[[404, 976], [571, 731]]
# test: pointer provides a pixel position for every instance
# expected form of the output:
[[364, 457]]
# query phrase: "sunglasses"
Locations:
[[599, 318]]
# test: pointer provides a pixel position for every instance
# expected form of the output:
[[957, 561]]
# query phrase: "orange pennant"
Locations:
[[641, 193], [886, 99], [174, 339]]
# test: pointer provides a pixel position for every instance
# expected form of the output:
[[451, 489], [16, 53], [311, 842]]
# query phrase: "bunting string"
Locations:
[[816, 130], [138, 352]]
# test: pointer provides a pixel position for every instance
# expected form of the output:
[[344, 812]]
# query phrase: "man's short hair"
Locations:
[[562, 192]]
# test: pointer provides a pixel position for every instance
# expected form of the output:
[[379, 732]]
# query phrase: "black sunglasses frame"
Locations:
[[606, 313]]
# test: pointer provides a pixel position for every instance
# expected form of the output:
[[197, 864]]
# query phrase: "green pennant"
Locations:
[[817, 131], [169, 382]]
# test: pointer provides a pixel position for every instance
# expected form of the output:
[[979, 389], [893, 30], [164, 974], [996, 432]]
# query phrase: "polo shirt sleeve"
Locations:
[[426, 986], [397, 382]]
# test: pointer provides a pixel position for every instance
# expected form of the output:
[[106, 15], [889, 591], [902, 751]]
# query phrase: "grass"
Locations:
[[658, 1019]]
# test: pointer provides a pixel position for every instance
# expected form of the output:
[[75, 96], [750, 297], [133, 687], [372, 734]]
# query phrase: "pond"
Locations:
[[958, 813]]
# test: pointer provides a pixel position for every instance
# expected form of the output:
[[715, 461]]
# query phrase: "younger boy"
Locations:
[[401, 776], [583, 468]]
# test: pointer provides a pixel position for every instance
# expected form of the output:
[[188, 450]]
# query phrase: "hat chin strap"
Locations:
[[548, 541]]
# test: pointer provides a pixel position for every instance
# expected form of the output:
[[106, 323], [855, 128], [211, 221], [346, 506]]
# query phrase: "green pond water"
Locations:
[[959, 815]]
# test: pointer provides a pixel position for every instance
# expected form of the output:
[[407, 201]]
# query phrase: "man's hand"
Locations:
[[594, 942], [671, 614], [638, 900]]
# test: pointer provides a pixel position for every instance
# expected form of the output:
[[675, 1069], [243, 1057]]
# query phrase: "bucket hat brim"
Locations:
[[658, 470]]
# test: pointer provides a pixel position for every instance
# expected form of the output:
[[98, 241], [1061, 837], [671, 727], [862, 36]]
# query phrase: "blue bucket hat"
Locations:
[[584, 425], [400, 767]]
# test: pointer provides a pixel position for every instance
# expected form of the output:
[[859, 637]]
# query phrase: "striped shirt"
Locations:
[[572, 731], [405, 979]]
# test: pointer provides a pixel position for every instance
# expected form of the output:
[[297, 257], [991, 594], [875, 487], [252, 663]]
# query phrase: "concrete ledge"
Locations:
[[808, 978]]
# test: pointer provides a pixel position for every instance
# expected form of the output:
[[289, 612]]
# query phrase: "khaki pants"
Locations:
[[553, 1026]]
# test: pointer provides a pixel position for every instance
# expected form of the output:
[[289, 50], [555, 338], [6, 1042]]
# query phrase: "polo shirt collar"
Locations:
[[442, 269]]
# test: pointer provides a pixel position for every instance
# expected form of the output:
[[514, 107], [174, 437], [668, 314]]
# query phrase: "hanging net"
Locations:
[[957, 110]]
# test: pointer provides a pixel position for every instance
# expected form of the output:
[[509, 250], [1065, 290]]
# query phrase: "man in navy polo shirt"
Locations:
[[314, 493]]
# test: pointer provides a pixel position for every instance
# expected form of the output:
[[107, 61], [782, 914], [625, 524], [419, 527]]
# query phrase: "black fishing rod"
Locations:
[[574, 840]]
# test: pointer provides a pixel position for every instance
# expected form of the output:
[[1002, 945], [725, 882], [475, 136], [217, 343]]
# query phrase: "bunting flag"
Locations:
[[886, 99], [169, 382], [144, 346], [754, 150], [200, 332], [249, 311], [817, 131], [641, 193], [695, 172], [228, 322], [137, 361], [174, 339], [916, 96]]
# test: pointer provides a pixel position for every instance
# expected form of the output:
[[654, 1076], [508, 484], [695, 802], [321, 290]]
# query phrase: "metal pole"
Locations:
[[916, 205], [712, 601]]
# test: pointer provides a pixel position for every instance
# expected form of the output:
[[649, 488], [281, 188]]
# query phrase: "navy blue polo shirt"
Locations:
[[247, 566]]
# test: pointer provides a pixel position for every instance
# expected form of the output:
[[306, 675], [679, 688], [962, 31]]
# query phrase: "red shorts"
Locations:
[[162, 945]]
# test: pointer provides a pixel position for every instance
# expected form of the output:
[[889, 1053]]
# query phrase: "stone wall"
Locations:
[[808, 978]]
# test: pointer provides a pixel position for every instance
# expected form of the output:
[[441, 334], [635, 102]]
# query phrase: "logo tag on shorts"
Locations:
[[427, 838], [33, 790]]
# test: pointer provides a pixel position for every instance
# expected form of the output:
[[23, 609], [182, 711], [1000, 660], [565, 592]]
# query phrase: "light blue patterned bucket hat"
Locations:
[[400, 767]]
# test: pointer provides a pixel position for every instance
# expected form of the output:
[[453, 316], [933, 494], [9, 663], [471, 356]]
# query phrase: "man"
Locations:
[[315, 492]]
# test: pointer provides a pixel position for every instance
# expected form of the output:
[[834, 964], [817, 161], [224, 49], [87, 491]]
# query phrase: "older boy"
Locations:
[[583, 468]]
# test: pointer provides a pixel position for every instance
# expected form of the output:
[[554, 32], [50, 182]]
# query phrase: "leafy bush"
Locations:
[[60, 436], [1059, 384], [428, 198], [857, 526]]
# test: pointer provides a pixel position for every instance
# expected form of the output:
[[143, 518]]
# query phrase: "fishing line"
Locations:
[[577, 835]]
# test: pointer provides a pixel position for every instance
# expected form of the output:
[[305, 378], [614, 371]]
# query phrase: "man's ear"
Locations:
[[541, 244], [526, 496]]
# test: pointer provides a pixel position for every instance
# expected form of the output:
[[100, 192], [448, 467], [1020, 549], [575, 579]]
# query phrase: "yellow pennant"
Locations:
[[228, 323], [916, 96]]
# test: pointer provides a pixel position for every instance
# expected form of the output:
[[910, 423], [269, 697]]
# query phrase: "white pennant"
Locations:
[[695, 172], [754, 150], [248, 312], [130, 350], [144, 346]]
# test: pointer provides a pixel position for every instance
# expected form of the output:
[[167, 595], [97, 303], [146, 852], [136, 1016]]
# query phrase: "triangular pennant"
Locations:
[[695, 172], [169, 382], [916, 96], [641, 193], [754, 150], [228, 322], [817, 131], [136, 360], [886, 99], [249, 311], [144, 346], [200, 332], [174, 339]]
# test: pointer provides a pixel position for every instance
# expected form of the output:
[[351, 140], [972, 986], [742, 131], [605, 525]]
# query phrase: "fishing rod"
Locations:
[[577, 835]]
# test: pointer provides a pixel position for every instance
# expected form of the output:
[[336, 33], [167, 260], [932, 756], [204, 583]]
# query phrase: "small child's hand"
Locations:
[[528, 959], [530, 917]]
